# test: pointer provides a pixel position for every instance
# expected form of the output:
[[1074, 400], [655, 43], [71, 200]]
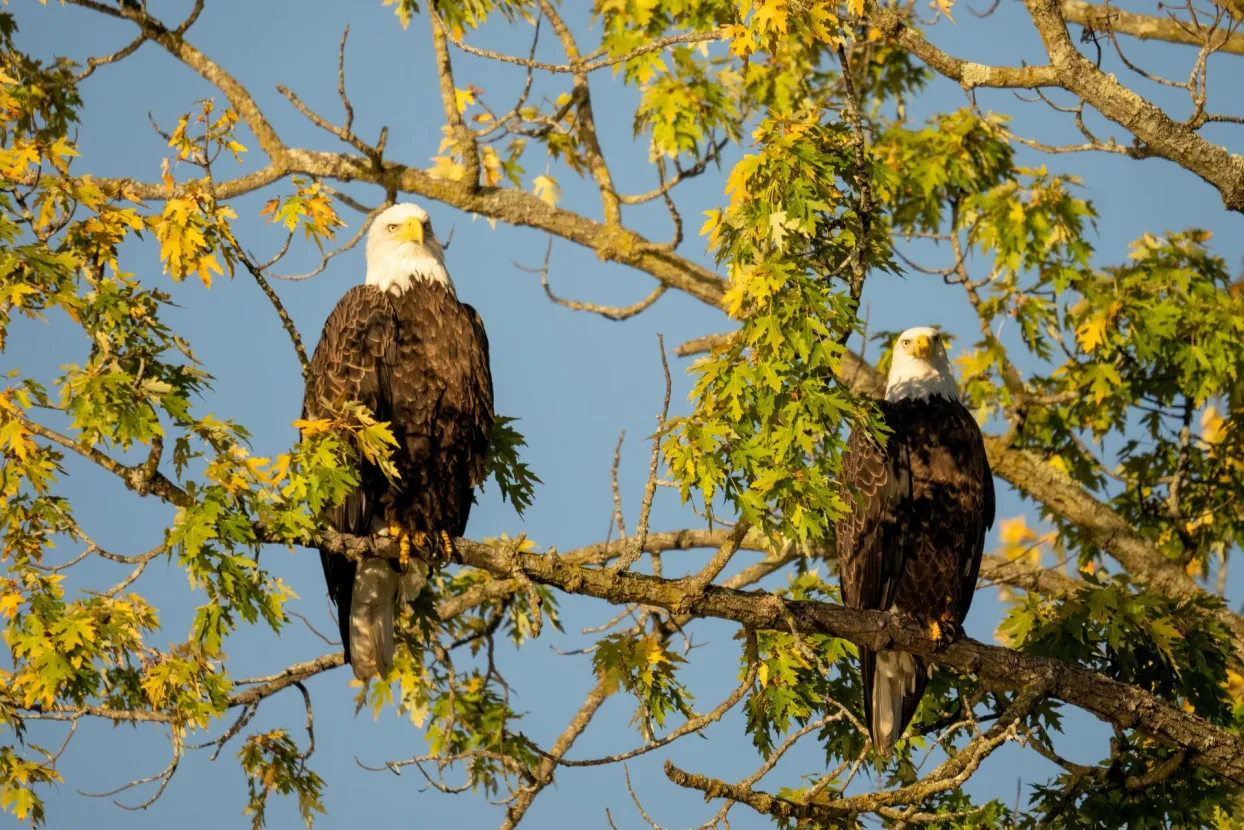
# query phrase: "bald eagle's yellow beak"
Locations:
[[411, 231], [923, 347]]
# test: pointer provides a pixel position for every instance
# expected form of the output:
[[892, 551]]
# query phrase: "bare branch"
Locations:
[[645, 509], [608, 312]]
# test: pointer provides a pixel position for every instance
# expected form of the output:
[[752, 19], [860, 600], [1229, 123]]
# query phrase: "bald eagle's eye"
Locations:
[[391, 228], [906, 341]]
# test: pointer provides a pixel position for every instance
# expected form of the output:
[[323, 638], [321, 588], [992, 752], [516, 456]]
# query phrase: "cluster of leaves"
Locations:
[[1175, 649], [797, 675], [514, 478], [766, 432], [309, 207], [471, 719], [643, 665], [466, 719], [272, 763]]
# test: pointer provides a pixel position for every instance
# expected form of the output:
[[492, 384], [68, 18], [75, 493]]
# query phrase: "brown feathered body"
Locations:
[[914, 539], [419, 360]]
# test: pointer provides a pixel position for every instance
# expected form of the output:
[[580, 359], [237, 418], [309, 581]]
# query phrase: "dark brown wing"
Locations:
[[975, 467], [872, 539], [353, 362], [872, 536], [482, 403]]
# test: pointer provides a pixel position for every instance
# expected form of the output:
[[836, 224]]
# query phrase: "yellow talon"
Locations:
[[403, 544], [935, 631], [449, 544]]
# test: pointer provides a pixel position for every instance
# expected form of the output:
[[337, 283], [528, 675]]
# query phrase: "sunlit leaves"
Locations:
[[546, 189], [470, 715], [765, 433], [1175, 649], [212, 135], [643, 666], [195, 234], [18, 778], [273, 764], [310, 207], [684, 107], [405, 10]]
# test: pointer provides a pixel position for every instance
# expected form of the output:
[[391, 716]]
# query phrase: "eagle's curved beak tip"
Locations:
[[923, 347]]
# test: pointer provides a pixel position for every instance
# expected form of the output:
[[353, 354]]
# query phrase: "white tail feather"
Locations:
[[371, 618], [373, 604], [895, 677]]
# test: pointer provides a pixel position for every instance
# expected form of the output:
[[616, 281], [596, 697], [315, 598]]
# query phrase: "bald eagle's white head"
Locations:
[[402, 249], [920, 367]]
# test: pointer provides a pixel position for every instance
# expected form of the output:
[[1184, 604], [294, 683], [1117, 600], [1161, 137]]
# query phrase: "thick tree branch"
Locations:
[[969, 75], [998, 668], [1145, 27]]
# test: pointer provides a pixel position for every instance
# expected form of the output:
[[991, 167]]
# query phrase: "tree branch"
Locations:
[[1144, 27], [998, 668]]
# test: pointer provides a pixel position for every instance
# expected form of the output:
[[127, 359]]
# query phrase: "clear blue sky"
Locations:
[[574, 380]]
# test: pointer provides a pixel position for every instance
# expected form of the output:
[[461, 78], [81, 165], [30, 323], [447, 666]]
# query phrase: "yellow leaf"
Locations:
[[945, 5], [1014, 531], [1019, 542], [166, 176], [1092, 334], [741, 42], [8, 605], [315, 427], [491, 163], [463, 98], [975, 363], [762, 674], [1235, 685], [1213, 426], [771, 15], [404, 10], [207, 265], [546, 189], [736, 183], [18, 291], [447, 168]]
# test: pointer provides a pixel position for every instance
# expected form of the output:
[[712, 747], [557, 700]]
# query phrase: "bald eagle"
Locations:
[[914, 539], [404, 346]]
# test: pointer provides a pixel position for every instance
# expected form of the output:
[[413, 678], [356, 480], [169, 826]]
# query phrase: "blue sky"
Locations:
[[574, 380]]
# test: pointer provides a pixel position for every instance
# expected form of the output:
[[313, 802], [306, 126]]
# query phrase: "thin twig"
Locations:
[[645, 510]]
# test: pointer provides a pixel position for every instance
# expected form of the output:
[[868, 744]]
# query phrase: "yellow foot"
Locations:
[[448, 543], [403, 544], [935, 631]]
